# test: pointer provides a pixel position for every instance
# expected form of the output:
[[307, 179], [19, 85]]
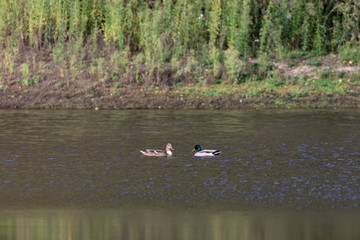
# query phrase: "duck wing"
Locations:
[[216, 152], [153, 152], [207, 152]]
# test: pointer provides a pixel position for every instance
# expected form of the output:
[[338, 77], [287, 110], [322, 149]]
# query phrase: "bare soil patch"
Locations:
[[313, 69]]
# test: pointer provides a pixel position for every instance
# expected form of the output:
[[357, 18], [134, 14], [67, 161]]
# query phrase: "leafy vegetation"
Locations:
[[177, 43]]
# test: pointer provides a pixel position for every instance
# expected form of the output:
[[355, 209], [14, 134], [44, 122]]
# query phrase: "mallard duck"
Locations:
[[199, 152], [156, 152]]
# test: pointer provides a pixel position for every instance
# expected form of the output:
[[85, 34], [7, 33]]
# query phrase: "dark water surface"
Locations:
[[80, 175]]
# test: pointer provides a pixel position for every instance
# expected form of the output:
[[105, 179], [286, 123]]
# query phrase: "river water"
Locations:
[[285, 174]]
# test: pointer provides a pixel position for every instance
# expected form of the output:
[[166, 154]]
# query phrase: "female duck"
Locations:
[[159, 153], [199, 152]]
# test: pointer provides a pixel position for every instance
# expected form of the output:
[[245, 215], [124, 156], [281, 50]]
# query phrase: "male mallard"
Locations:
[[155, 152], [199, 152]]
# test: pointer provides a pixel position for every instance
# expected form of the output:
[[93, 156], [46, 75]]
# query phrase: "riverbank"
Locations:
[[170, 99], [316, 82], [179, 54]]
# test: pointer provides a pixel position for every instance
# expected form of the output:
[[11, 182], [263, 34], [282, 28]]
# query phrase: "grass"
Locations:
[[284, 89], [28, 81], [313, 62], [350, 52], [206, 48]]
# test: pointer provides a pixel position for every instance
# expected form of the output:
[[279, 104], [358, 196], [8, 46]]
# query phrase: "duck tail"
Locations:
[[217, 152]]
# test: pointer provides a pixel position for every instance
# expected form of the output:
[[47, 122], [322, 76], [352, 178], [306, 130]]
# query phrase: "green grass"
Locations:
[[313, 62], [158, 43], [350, 52], [30, 80], [117, 85]]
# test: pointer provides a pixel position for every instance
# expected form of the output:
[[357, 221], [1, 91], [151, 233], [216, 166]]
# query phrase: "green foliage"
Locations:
[[189, 24], [326, 73], [350, 52], [233, 64], [214, 21], [313, 62], [141, 40], [280, 103], [326, 85], [346, 18], [30, 80], [296, 54], [178, 85], [271, 31], [277, 82], [118, 85], [293, 63]]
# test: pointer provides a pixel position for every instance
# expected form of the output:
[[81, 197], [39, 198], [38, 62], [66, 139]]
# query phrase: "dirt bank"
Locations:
[[84, 92], [102, 97]]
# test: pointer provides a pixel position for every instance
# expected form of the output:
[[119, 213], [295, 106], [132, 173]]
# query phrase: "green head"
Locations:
[[197, 148]]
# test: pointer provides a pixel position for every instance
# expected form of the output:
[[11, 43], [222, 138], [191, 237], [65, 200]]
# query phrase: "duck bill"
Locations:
[[193, 150]]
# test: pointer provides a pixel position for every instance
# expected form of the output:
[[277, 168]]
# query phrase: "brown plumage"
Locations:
[[157, 152]]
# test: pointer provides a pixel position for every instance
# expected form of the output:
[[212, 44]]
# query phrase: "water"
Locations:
[[80, 175]]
